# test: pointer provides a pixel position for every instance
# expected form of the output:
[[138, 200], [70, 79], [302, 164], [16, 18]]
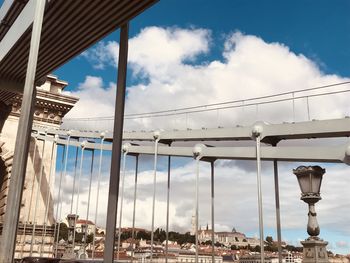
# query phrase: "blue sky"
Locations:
[[318, 30]]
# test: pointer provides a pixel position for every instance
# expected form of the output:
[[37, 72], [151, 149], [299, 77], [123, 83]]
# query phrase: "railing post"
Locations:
[[116, 148], [8, 244], [257, 135]]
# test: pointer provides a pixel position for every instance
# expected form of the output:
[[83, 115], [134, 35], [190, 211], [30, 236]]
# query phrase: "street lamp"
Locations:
[[69, 253], [82, 250], [310, 179]]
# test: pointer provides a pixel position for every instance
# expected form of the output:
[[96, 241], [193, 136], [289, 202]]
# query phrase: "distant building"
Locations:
[[188, 257], [90, 226], [287, 258], [232, 238]]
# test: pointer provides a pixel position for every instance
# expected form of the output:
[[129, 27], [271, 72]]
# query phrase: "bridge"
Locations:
[[25, 26]]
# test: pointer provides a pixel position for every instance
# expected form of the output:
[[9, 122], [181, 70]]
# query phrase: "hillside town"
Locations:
[[230, 246]]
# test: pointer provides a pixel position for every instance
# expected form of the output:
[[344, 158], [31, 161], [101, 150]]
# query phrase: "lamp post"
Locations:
[[310, 179], [69, 253], [82, 250]]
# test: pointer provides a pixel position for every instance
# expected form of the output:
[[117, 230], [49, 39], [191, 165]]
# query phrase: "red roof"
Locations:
[[85, 222]]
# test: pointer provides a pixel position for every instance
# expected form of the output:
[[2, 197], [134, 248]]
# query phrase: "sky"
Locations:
[[188, 53]]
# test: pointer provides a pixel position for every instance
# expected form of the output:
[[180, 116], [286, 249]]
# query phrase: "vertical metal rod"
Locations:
[[167, 211], [121, 204], [31, 197], [217, 118], [278, 211], [74, 179], [243, 110], [197, 205], [46, 215], [154, 193], [14, 198], [293, 107], [78, 190], [97, 194], [116, 147], [260, 203], [37, 198], [212, 213], [89, 197], [134, 208], [308, 108], [186, 120], [60, 192], [58, 204]]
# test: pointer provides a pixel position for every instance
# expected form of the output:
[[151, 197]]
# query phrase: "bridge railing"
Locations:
[[293, 106], [80, 165]]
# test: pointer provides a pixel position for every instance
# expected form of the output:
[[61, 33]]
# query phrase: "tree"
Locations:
[[89, 238], [143, 235], [269, 239], [257, 248], [233, 247], [63, 231], [217, 244]]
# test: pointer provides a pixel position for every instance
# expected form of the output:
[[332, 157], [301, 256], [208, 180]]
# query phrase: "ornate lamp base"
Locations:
[[315, 250], [69, 253]]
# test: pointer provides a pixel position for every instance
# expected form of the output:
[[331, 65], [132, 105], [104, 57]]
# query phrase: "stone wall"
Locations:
[[37, 202]]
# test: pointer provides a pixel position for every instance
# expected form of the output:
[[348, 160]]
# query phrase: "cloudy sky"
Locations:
[[185, 54]]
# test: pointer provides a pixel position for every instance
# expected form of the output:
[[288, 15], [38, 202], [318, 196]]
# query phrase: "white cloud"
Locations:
[[168, 75], [250, 68]]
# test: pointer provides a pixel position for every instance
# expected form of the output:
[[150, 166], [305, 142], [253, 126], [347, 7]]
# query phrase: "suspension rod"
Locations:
[[134, 208], [37, 197], [167, 211], [125, 152], [52, 160], [156, 141], [98, 193]]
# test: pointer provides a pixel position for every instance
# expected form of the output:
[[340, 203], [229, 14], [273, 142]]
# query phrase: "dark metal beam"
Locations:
[[117, 145]]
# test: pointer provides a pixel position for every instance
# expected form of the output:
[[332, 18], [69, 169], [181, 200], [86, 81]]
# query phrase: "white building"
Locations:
[[228, 238]]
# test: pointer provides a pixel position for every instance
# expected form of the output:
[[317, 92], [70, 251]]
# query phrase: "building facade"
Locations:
[[228, 239], [37, 207]]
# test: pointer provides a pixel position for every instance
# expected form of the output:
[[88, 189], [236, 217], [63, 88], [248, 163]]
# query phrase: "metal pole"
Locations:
[[278, 211], [260, 204], [74, 178], [37, 198], [59, 192], [31, 197], [116, 147], [121, 204], [134, 209], [308, 108], [197, 204], [154, 191], [48, 198], [98, 193], [167, 211], [9, 231], [293, 107], [212, 213], [78, 191], [89, 195]]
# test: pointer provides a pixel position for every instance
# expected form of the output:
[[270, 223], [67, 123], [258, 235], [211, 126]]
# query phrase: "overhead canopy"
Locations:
[[69, 28]]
